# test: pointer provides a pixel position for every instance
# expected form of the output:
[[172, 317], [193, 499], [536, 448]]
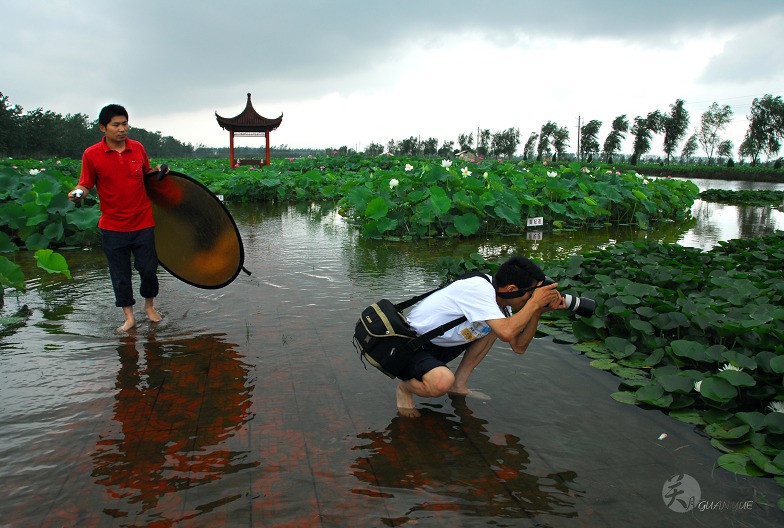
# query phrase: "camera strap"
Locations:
[[517, 293]]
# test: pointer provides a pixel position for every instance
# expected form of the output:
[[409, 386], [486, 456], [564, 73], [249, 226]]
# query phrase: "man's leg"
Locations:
[[146, 263], [472, 357], [118, 255], [435, 383]]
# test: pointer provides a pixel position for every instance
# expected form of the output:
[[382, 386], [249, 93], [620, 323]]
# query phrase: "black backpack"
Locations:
[[383, 337]]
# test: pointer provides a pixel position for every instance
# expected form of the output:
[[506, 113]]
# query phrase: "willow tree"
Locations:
[[713, 121], [766, 129], [589, 139], [530, 146], [643, 130], [675, 125], [612, 144]]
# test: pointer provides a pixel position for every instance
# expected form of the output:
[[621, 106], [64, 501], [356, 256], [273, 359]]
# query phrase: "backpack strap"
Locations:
[[435, 332]]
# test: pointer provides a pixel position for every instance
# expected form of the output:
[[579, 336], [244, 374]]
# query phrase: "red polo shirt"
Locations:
[[119, 180]]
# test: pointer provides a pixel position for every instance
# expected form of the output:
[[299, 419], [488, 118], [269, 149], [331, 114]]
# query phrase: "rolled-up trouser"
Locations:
[[118, 247]]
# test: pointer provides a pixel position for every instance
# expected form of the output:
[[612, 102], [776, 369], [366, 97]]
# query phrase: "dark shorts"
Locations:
[[430, 357]]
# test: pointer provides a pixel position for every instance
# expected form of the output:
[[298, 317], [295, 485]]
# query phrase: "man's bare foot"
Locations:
[[468, 393], [129, 324], [130, 320], [154, 315], [405, 402]]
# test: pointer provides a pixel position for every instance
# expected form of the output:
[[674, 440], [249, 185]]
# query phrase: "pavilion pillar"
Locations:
[[231, 149], [267, 150]]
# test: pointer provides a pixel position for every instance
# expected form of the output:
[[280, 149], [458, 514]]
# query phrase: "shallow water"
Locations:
[[248, 406]]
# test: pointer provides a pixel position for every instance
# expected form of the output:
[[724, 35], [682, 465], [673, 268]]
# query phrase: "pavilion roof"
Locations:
[[249, 121]]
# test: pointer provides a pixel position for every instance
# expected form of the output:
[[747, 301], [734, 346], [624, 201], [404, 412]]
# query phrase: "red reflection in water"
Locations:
[[181, 409], [453, 464]]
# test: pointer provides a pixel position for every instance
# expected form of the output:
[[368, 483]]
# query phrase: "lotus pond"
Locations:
[[248, 406]]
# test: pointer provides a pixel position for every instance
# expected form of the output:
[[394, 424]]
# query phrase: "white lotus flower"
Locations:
[[776, 406], [446, 163], [393, 183], [465, 172], [409, 167], [697, 386], [730, 367], [552, 174], [33, 172]]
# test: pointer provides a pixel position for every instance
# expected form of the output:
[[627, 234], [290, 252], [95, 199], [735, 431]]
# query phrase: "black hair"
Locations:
[[519, 271], [110, 111]]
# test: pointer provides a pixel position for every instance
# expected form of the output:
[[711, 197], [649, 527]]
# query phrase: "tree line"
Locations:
[[40, 134], [45, 134], [763, 137]]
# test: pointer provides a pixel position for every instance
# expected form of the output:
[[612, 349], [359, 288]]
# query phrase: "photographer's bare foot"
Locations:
[[405, 403], [470, 393]]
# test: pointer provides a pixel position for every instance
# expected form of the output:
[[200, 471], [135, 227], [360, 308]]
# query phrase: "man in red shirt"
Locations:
[[116, 167]]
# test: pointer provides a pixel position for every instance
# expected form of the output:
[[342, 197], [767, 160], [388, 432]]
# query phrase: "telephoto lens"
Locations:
[[582, 306]]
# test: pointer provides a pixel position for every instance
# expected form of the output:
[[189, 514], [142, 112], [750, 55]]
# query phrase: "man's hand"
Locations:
[[547, 298], [77, 194], [163, 170]]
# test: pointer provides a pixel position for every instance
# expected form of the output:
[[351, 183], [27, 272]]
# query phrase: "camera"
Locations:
[[582, 306]]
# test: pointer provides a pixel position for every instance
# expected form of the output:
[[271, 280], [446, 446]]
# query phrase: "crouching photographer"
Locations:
[[506, 306]]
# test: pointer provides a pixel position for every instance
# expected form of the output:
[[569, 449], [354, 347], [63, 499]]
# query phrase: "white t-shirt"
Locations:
[[473, 297]]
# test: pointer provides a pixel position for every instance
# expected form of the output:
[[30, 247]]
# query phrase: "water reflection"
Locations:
[[179, 404], [720, 222], [441, 463]]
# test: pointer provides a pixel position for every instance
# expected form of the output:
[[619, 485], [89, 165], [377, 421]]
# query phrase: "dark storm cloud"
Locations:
[[175, 56]]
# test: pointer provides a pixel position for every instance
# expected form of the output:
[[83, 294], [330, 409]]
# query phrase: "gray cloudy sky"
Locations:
[[351, 72]]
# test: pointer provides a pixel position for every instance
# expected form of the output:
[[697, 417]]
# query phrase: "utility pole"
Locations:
[[579, 133]]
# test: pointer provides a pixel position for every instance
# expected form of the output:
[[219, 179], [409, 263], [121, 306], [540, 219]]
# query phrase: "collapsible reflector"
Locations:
[[195, 236]]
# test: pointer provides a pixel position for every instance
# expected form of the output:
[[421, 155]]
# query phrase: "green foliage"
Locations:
[[755, 198], [52, 262], [10, 275], [696, 334], [493, 197], [36, 214]]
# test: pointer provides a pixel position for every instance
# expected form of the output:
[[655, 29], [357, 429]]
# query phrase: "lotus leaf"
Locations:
[[777, 364], [11, 274], [52, 262], [676, 383], [619, 347], [467, 224], [687, 416], [740, 464], [377, 208], [689, 349], [624, 397], [774, 422], [718, 389], [755, 420]]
